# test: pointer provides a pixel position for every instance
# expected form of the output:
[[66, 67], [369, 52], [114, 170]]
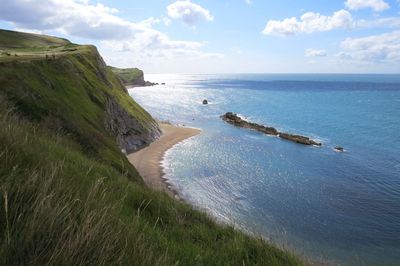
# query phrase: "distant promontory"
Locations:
[[133, 77]]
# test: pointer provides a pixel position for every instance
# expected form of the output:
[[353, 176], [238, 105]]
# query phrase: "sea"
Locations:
[[329, 207]]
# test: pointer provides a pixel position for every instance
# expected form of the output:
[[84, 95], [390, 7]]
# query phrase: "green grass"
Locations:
[[61, 207], [129, 76], [13, 39], [69, 196], [69, 94]]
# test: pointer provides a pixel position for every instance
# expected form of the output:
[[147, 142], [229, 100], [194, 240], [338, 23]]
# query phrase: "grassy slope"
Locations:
[[128, 75], [67, 94], [13, 39], [67, 195]]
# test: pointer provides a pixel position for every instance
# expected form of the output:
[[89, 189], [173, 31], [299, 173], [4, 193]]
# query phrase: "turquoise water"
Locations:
[[336, 207]]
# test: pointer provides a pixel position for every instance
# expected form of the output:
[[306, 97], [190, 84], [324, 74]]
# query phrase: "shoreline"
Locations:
[[147, 161]]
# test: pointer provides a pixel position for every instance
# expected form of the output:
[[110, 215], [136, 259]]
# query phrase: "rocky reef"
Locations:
[[299, 139], [235, 120]]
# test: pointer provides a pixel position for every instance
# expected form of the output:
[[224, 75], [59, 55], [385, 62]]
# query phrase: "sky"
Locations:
[[223, 36]]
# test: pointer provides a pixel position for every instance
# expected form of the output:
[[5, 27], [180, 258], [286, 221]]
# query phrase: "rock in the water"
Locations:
[[235, 120], [148, 83], [339, 149], [205, 101], [299, 139]]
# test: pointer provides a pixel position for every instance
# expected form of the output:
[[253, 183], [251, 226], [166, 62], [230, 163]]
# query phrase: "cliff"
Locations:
[[132, 77], [70, 87], [68, 196]]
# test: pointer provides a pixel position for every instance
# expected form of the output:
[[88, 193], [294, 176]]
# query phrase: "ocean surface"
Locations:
[[328, 206]]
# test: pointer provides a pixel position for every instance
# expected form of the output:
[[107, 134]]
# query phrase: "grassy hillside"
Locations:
[[68, 195], [13, 39], [129, 76]]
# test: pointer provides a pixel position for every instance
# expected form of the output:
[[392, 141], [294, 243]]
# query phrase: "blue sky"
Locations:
[[221, 36]]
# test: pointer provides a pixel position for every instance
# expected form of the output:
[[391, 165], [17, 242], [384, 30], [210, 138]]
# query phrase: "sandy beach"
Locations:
[[148, 160]]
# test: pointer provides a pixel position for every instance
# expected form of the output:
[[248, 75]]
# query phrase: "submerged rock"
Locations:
[[235, 120], [205, 101], [339, 149]]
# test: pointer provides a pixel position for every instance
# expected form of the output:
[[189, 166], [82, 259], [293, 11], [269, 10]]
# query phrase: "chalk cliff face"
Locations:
[[130, 134], [89, 103]]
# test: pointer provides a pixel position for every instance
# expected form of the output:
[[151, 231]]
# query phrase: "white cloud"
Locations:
[[167, 21], [308, 23], [249, 2], [77, 18], [149, 22], [387, 22], [97, 22], [314, 53], [376, 5], [376, 48], [189, 12]]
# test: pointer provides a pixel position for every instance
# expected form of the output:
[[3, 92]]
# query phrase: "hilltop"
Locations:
[[132, 77], [69, 195]]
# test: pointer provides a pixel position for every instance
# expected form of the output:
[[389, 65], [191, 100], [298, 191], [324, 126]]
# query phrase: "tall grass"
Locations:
[[45, 222], [69, 197], [60, 207]]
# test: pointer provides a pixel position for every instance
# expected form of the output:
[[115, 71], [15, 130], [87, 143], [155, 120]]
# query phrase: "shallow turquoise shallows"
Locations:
[[329, 206]]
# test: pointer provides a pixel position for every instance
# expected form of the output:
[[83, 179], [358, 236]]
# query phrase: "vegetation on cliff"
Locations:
[[68, 194], [130, 76]]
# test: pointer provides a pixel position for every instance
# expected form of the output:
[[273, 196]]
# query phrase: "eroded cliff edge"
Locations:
[[88, 102], [132, 77], [131, 135]]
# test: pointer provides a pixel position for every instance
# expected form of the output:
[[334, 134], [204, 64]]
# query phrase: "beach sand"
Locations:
[[147, 161]]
